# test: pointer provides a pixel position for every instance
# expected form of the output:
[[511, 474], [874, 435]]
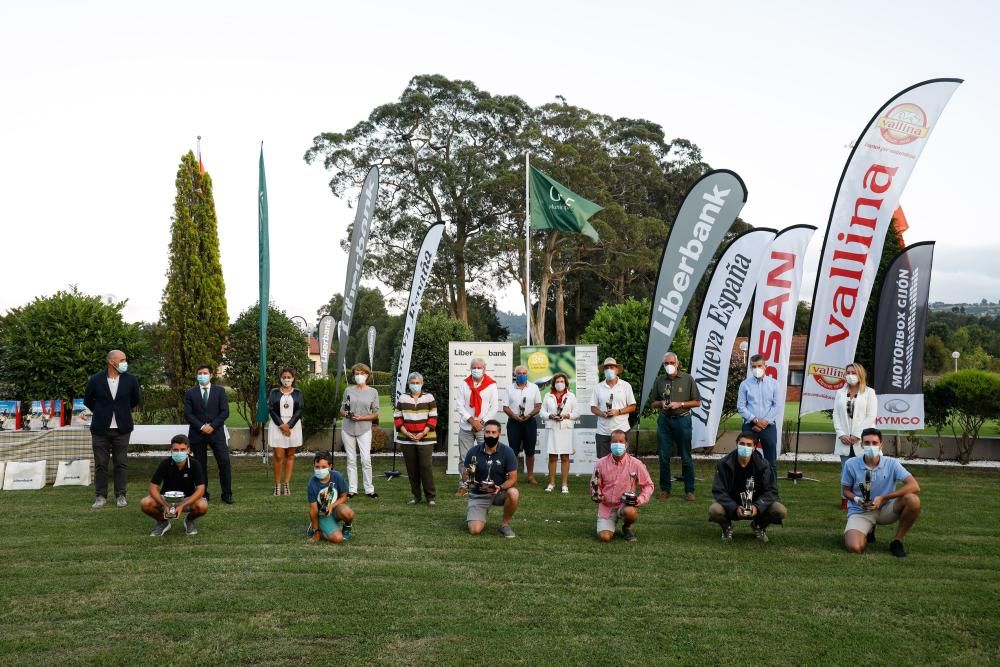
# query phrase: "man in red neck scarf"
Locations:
[[478, 402]]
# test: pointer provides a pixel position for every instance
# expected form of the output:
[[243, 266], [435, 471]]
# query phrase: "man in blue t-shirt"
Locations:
[[490, 474], [870, 485], [327, 494]]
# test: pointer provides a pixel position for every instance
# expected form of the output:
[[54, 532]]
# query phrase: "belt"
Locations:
[[686, 414]]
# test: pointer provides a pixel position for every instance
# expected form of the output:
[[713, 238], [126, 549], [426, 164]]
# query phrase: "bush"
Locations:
[[976, 400], [381, 378], [159, 406], [321, 402]]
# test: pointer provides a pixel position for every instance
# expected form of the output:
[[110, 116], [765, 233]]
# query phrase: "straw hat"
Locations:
[[610, 361]]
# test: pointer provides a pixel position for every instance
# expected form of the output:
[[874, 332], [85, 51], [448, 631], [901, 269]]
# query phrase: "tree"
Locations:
[[430, 356], [370, 310], [49, 347], [447, 152], [802, 312], [483, 319], [936, 356], [976, 400], [938, 401], [620, 331], [286, 348], [193, 309]]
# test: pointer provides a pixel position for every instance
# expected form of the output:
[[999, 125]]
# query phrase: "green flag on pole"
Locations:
[[265, 284], [554, 206]]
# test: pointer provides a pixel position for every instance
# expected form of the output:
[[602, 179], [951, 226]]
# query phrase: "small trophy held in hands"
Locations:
[[172, 498], [631, 498], [607, 406], [326, 497], [560, 406], [866, 490], [520, 409], [595, 487], [347, 409], [26, 421], [746, 497], [488, 486], [45, 420]]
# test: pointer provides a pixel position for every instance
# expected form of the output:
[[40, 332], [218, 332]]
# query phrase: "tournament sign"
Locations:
[[499, 366]]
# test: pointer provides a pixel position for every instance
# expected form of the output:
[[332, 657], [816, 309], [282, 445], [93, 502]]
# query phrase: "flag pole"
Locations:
[[527, 250]]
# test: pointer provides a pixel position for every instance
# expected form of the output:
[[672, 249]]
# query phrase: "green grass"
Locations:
[[411, 587]]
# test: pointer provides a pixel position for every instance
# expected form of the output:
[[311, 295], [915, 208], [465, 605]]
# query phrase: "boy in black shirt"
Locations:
[[177, 472]]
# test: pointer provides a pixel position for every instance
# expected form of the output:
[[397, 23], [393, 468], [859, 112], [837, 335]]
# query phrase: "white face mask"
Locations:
[[415, 387], [873, 451], [851, 379], [476, 373], [560, 386], [360, 378], [610, 374], [758, 373], [670, 369], [122, 366], [287, 382]]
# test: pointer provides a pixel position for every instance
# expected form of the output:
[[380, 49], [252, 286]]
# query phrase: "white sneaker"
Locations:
[[548, 489], [565, 489], [121, 502], [99, 502]]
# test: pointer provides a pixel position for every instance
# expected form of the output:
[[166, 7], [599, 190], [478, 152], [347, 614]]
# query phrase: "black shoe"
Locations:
[[227, 499], [351, 495], [372, 495], [629, 535], [897, 550], [871, 537]]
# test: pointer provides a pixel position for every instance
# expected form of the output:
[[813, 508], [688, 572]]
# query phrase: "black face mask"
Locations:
[[491, 442]]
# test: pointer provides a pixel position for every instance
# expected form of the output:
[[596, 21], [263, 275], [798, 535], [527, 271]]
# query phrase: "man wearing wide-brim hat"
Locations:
[[612, 402]]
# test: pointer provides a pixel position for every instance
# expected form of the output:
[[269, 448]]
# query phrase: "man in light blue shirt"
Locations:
[[870, 485], [758, 405]]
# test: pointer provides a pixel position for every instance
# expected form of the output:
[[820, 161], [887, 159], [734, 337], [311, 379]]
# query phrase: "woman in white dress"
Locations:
[[284, 429], [559, 412], [855, 407]]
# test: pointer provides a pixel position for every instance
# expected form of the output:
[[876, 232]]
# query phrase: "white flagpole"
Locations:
[[527, 251]]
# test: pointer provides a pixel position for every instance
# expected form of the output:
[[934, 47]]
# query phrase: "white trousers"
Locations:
[[353, 443]]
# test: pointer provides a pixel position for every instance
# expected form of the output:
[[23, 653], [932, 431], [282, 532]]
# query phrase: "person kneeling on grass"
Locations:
[[329, 516], [870, 487], [620, 484], [490, 474], [743, 478], [177, 472]]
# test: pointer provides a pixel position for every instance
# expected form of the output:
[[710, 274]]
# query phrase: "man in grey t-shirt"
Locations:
[[359, 410]]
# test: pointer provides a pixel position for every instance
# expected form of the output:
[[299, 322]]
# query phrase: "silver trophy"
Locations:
[[866, 489], [631, 498], [26, 421], [326, 497], [173, 498], [559, 407], [524, 400], [595, 487], [347, 408], [487, 486], [746, 497], [608, 405], [3, 419], [45, 420]]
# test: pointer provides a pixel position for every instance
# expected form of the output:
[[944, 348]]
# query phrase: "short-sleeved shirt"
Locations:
[[185, 479], [619, 396], [316, 485], [885, 476], [680, 388], [525, 397], [362, 402], [496, 465]]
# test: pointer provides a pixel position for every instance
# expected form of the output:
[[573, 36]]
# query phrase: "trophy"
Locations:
[[26, 421], [595, 483], [3, 419], [866, 489], [326, 497], [347, 408], [172, 498], [746, 497], [46, 416], [524, 399], [487, 486], [631, 497], [559, 408], [607, 406]]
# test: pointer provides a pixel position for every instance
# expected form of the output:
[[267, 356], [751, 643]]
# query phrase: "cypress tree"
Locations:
[[193, 309]]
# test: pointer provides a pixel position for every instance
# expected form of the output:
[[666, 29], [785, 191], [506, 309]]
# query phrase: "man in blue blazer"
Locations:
[[111, 395], [206, 409]]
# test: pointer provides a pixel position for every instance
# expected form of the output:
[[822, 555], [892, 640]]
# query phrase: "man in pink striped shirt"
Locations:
[[620, 484]]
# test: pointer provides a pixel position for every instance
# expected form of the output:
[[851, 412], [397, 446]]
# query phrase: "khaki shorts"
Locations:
[[479, 506], [611, 523], [865, 521]]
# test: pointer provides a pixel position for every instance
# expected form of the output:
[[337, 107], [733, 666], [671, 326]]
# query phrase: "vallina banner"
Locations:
[[775, 301], [730, 290], [421, 276], [706, 214], [355, 262], [867, 195], [898, 377]]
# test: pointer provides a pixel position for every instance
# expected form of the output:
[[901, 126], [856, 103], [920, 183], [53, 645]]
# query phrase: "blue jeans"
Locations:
[[768, 439], [670, 431]]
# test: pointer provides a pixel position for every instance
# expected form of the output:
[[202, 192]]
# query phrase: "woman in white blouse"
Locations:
[[559, 412], [854, 409]]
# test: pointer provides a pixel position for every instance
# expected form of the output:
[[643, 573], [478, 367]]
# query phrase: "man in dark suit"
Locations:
[[111, 395], [206, 409]]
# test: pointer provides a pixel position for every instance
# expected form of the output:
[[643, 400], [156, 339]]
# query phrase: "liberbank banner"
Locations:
[[867, 195], [899, 339], [726, 302], [706, 214]]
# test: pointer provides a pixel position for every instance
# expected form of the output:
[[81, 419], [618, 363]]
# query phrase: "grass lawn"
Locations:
[[411, 588]]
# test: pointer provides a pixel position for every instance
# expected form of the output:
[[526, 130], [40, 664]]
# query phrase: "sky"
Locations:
[[100, 101]]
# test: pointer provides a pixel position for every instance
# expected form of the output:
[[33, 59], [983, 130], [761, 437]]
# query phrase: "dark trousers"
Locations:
[[768, 439], [111, 445], [523, 436], [418, 468], [773, 513], [603, 445], [670, 432], [221, 452]]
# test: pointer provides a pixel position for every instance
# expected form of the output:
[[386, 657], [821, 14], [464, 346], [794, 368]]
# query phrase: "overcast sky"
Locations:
[[101, 99]]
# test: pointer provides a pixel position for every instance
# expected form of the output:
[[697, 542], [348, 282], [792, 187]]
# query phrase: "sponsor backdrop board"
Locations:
[[579, 363], [499, 359]]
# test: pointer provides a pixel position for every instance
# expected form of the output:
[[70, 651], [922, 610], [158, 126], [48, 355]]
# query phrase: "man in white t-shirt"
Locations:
[[612, 402], [524, 401], [478, 402]]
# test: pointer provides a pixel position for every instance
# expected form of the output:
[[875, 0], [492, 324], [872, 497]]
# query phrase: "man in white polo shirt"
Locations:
[[612, 402], [524, 402]]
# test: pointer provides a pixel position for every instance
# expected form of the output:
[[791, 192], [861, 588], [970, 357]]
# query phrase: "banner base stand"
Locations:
[[392, 474], [795, 474]]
